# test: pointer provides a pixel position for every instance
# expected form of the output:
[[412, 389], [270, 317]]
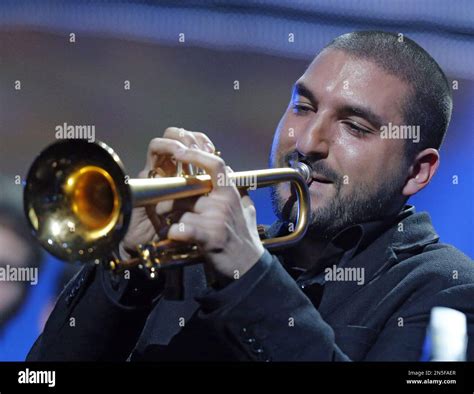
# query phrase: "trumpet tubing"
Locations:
[[78, 200]]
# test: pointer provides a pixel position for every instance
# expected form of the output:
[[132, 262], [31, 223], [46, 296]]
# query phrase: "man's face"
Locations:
[[333, 123]]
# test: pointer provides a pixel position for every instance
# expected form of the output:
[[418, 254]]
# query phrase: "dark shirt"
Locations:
[[276, 311]]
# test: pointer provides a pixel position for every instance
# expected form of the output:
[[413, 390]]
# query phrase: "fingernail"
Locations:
[[194, 146], [209, 148]]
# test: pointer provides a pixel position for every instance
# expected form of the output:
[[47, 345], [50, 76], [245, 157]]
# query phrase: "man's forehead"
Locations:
[[335, 74], [336, 66]]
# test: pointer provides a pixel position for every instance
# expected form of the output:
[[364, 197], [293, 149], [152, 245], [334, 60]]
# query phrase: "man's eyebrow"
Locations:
[[366, 113], [302, 90], [363, 112]]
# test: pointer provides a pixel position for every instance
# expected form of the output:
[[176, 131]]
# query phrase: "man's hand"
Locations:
[[147, 222], [223, 223]]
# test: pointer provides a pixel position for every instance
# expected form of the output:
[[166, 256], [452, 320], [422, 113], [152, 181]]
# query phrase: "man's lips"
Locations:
[[320, 178]]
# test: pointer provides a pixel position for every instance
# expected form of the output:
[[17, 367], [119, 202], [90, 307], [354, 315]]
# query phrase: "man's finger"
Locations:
[[206, 204], [212, 164], [159, 147], [188, 233], [190, 138]]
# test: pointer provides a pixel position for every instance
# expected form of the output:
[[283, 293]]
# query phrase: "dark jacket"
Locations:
[[275, 312]]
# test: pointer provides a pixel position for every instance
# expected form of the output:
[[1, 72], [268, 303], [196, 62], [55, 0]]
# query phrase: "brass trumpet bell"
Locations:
[[76, 200]]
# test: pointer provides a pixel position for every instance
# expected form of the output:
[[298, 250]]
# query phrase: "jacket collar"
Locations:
[[403, 239], [373, 247], [413, 231]]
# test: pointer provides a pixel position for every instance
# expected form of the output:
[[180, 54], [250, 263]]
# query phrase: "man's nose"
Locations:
[[314, 140]]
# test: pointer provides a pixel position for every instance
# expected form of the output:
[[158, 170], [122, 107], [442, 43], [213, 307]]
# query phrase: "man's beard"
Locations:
[[362, 204]]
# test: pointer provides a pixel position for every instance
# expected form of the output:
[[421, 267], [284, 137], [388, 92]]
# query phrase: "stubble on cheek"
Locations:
[[319, 201]]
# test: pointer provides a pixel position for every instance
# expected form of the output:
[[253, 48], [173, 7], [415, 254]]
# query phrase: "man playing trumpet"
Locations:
[[359, 286]]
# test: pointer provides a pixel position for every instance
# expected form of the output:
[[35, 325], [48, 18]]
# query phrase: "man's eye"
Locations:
[[357, 128], [299, 109]]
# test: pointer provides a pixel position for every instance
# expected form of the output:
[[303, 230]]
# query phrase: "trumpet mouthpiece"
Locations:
[[305, 171]]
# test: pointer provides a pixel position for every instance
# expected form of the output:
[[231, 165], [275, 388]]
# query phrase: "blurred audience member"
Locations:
[[18, 249]]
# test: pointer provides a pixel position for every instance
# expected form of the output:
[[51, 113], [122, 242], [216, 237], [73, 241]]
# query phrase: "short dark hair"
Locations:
[[430, 103]]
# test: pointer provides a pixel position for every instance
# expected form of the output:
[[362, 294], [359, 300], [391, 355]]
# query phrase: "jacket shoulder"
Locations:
[[443, 263]]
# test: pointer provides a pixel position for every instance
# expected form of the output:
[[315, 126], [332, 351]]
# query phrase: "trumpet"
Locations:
[[78, 202]]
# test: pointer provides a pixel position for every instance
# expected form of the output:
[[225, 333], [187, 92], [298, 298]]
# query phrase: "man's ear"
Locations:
[[422, 170]]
